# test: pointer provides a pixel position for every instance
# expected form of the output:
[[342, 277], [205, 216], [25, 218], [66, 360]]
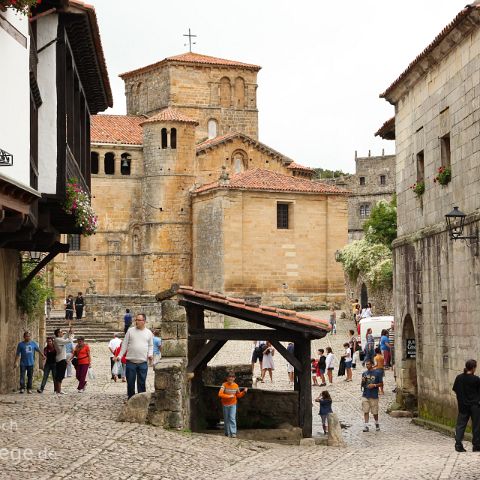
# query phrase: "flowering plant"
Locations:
[[22, 6], [418, 188], [78, 204], [444, 176]]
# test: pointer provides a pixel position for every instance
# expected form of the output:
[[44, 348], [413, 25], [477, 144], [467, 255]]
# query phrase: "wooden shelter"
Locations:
[[282, 325]]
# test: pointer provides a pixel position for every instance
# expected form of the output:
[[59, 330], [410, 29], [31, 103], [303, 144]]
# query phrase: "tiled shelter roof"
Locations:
[[121, 129], [169, 114], [259, 179], [297, 166], [282, 316], [192, 58]]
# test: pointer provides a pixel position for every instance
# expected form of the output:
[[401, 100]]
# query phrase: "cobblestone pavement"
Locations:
[[76, 436]]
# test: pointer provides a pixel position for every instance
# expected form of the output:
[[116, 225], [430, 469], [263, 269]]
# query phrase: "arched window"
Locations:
[[212, 128], [225, 92], [164, 138], [173, 138], [239, 162], [125, 163], [239, 92], [109, 163], [94, 163]]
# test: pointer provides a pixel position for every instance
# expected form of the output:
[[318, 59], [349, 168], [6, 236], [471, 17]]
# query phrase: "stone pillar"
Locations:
[[173, 329]]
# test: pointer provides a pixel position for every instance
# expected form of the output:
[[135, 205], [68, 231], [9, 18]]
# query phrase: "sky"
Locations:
[[324, 62]]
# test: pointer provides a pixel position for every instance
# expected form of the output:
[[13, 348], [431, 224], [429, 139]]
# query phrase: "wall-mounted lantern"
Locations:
[[456, 225], [338, 255], [6, 159]]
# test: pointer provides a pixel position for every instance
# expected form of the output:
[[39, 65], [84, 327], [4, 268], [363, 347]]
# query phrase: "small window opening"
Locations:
[[74, 241], [445, 151], [173, 138], [109, 163], [383, 180], [94, 163], [164, 138], [420, 167], [362, 180], [282, 215]]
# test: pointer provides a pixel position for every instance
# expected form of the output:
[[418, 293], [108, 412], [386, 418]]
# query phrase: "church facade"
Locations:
[[186, 193]]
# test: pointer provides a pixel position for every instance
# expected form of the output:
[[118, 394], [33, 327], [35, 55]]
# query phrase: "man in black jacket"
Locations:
[[79, 305], [467, 389]]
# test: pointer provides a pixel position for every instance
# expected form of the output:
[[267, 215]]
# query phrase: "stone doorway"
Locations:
[[407, 394], [363, 296]]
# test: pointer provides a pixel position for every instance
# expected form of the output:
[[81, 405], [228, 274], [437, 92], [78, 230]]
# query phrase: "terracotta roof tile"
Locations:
[[192, 58], [289, 316], [297, 166], [169, 114], [258, 179], [121, 129], [436, 42]]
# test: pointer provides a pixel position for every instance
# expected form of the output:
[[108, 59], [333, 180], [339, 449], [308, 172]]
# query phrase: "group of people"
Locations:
[[360, 312], [263, 352], [76, 305], [58, 354]]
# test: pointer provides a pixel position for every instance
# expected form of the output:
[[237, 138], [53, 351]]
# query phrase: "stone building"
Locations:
[[436, 279], [186, 193]]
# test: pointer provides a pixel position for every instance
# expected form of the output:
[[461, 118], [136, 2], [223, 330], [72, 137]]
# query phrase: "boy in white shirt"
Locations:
[[348, 361]]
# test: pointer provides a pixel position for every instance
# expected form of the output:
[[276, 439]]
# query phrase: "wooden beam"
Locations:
[[302, 352], [206, 353], [256, 317], [287, 355], [243, 334]]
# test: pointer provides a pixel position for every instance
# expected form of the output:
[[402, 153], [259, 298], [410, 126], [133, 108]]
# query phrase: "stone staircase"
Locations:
[[91, 330]]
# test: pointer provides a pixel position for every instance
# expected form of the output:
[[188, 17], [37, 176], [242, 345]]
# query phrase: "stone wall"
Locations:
[[380, 298], [257, 409], [169, 406], [110, 309], [196, 91], [173, 329], [289, 267], [216, 375], [436, 283]]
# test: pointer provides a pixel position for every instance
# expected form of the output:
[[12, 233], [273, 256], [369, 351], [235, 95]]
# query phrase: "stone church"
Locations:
[[185, 192]]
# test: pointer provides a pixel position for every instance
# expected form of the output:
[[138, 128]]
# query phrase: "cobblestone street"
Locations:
[[76, 436]]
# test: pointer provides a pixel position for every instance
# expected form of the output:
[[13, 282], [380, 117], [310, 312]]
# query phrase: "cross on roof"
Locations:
[[190, 36]]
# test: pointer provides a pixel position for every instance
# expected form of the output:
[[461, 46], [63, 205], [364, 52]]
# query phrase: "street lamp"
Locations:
[[456, 225], [33, 256]]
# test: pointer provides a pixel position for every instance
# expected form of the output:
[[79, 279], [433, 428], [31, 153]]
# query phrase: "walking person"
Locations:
[[385, 348], [79, 305], [84, 360], [257, 355], [59, 342], [371, 382], [138, 345], [467, 389], [348, 361], [25, 355], [127, 320], [353, 343], [113, 344], [370, 346], [314, 368], [268, 364], [157, 347], [379, 364], [333, 320], [69, 308], [322, 366], [330, 364], [325, 408], [229, 393], [120, 366], [49, 365]]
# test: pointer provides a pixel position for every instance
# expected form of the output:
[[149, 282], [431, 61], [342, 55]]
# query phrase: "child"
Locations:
[[120, 367], [314, 372], [325, 408], [348, 361], [379, 363], [321, 366], [228, 393]]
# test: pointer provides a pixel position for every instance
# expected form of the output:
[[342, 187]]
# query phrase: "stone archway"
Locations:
[[407, 394], [363, 295]]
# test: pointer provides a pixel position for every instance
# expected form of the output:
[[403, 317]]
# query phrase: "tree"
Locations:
[[381, 227]]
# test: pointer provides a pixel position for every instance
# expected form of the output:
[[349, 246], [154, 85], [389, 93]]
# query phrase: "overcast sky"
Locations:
[[324, 62]]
